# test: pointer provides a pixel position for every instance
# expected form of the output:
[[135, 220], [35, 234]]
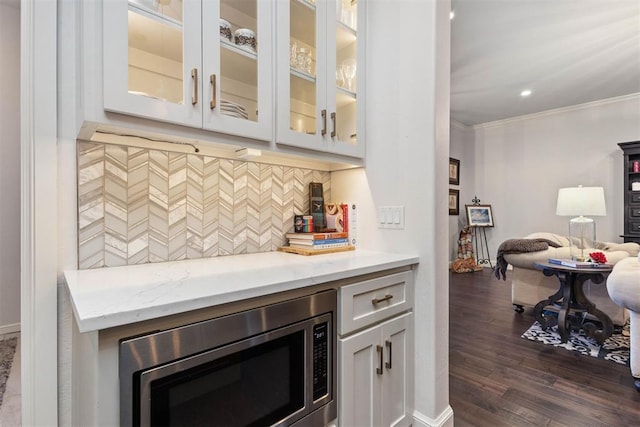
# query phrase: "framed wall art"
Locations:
[[479, 215], [454, 171], [454, 202]]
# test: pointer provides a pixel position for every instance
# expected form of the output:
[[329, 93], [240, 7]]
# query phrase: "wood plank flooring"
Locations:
[[499, 379]]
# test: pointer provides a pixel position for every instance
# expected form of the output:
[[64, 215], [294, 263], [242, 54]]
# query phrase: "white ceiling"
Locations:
[[566, 52]]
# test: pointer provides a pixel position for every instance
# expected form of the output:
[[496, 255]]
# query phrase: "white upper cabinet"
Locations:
[[320, 75], [204, 64]]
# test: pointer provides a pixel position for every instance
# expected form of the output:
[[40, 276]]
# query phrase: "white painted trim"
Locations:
[[10, 329], [444, 419], [576, 107], [38, 230], [461, 126]]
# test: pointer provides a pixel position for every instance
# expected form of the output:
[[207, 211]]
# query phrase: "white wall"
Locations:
[[461, 147], [9, 166], [521, 163], [407, 150]]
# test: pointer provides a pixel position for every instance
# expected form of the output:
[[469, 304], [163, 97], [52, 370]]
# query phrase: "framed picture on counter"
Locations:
[[479, 215], [454, 202], [454, 171]]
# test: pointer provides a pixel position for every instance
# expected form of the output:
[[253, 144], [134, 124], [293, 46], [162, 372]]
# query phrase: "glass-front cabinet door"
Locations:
[[319, 93], [152, 58], [237, 59], [206, 64]]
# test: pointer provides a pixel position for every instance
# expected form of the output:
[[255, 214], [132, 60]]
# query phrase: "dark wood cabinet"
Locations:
[[631, 151]]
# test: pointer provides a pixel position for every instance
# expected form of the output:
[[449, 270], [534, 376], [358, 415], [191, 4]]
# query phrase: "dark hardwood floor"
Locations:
[[500, 379]]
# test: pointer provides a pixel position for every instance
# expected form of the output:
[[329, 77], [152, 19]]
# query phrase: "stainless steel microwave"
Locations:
[[270, 366]]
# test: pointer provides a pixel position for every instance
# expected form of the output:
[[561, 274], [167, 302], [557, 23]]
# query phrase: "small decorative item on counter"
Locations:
[[298, 223], [246, 39], [225, 30], [598, 257], [307, 224]]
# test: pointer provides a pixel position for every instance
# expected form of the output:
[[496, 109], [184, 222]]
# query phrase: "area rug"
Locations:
[[615, 348], [7, 350]]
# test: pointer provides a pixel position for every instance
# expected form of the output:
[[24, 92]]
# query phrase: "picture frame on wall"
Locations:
[[454, 202], [479, 215], [454, 171]]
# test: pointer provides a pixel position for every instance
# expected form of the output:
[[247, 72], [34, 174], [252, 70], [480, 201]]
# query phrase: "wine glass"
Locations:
[[349, 70]]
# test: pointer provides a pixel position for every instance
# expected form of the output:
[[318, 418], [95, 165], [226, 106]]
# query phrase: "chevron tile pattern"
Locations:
[[137, 205]]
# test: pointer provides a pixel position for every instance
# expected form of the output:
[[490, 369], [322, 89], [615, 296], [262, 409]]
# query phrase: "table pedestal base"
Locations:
[[570, 297]]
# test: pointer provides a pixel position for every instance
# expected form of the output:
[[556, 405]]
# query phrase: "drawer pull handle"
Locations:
[[333, 121], [379, 368], [323, 114], [212, 79], [194, 77], [377, 301], [388, 364]]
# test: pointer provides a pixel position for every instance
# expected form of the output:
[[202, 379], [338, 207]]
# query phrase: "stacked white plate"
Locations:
[[232, 109]]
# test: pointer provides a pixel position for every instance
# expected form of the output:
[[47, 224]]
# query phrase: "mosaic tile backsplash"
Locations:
[[137, 205]]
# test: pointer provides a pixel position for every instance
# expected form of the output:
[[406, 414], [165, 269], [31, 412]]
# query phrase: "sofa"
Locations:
[[530, 286], [623, 285]]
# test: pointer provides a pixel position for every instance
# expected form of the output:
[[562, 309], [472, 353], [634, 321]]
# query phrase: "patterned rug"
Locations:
[[615, 348], [7, 350]]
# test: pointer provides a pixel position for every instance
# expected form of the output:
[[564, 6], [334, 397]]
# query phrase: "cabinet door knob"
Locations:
[[194, 77], [379, 368], [323, 113], [213, 103]]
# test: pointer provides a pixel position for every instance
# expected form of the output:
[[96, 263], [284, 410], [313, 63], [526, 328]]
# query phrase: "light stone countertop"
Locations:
[[114, 296]]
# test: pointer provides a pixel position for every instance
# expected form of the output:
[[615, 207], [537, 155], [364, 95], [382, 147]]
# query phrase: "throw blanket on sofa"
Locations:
[[518, 246]]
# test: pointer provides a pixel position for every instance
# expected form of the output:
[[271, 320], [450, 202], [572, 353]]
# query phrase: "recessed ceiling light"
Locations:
[[525, 92], [452, 14]]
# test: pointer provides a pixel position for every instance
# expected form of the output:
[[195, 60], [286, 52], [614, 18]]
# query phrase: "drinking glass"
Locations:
[[349, 70], [339, 76], [293, 53]]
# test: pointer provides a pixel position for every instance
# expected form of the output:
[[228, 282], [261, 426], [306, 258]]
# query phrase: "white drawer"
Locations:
[[371, 301]]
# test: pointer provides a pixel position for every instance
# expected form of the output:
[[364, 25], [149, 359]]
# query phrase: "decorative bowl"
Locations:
[[246, 38], [225, 30]]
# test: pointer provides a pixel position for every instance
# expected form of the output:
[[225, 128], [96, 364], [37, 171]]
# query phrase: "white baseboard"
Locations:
[[9, 329], [445, 419]]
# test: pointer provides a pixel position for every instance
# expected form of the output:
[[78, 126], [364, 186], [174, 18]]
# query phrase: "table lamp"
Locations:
[[579, 202]]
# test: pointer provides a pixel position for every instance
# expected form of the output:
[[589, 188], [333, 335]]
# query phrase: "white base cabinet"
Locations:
[[375, 375], [376, 363]]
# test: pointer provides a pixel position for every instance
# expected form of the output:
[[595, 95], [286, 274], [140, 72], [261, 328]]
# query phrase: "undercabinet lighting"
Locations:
[[525, 92], [248, 153]]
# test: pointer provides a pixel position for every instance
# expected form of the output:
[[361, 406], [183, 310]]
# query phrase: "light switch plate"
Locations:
[[391, 217]]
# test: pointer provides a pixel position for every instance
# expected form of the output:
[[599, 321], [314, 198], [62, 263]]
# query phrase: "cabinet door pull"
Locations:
[[388, 364], [379, 368], [194, 77], [333, 124], [323, 113], [377, 301], [213, 103]]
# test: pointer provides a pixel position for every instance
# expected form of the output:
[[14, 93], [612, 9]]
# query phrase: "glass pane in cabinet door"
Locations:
[[346, 70], [302, 57], [238, 59], [156, 49]]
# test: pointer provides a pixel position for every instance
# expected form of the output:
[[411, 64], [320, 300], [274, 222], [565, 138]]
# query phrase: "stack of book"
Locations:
[[576, 264], [313, 241]]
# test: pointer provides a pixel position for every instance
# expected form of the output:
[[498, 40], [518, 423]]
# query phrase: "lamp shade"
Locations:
[[581, 201]]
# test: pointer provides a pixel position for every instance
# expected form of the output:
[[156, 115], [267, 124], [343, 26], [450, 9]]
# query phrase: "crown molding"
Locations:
[[460, 126], [570, 108]]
